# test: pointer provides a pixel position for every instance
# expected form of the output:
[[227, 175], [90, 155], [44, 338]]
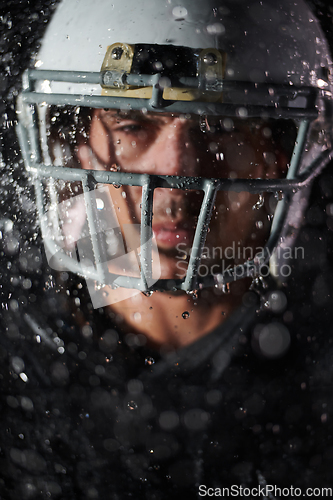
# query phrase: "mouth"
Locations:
[[169, 234]]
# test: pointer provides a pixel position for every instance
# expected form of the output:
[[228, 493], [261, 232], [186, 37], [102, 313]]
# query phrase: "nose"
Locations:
[[173, 151]]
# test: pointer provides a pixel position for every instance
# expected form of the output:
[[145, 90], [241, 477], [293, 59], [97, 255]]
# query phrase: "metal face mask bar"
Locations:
[[277, 101]]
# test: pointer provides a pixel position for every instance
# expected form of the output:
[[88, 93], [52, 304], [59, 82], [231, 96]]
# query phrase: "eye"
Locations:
[[131, 128]]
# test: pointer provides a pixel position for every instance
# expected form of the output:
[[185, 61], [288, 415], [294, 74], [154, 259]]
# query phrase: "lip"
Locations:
[[169, 234]]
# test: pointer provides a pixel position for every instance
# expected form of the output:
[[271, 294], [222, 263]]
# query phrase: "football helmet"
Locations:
[[217, 63]]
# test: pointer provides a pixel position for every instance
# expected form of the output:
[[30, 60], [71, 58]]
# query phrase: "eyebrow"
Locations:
[[138, 115], [213, 121]]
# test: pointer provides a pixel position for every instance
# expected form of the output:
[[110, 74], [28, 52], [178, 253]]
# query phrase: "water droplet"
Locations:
[[49, 283], [149, 361], [137, 316], [223, 287], [213, 147], [185, 315], [114, 167], [179, 12], [149, 293], [259, 224], [131, 405], [100, 286], [259, 203], [210, 58], [24, 377]]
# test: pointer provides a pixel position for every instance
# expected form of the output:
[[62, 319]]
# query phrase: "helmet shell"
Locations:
[[264, 41]]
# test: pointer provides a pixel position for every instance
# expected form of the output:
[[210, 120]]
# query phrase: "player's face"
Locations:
[[165, 144]]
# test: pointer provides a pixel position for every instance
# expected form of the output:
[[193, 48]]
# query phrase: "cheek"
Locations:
[[241, 160], [133, 195], [131, 199], [130, 151], [235, 219], [231, 206], [99, 141], [230, 159]]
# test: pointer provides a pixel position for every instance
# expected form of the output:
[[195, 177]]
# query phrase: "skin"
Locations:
[[165, 144]]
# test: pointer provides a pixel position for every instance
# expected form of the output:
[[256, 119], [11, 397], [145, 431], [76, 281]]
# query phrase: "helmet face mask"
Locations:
[[172, 149]]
